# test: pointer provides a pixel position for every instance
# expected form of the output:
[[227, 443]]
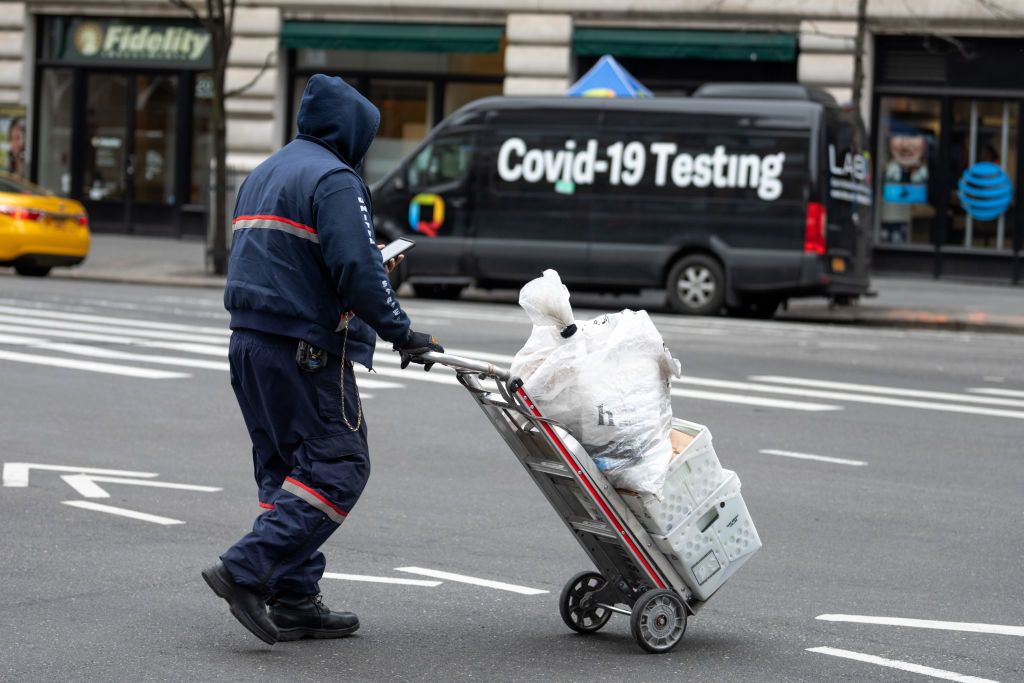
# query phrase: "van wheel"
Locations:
[[32, 271], [696, 285], [436, 291]]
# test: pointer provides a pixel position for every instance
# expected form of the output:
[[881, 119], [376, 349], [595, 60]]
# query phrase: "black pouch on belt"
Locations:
[[309, 358]]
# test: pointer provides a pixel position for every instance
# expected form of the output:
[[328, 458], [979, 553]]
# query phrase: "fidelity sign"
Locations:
[[149, 42]]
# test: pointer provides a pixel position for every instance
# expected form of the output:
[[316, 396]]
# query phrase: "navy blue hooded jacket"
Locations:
[[303, 253]]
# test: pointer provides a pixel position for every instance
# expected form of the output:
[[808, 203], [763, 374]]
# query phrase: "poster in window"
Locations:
[[905, 181], [13, 141]]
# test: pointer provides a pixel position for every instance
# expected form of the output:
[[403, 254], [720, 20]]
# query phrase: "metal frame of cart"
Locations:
[[634, 577]]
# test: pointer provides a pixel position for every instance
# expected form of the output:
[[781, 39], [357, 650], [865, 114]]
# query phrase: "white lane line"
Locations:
[[752, 400], [15, 340], [121, 512], [437, 375], [16, 473], [46, 324], [110, 354], [205, 349], [481, 355], [106, 320], [90, 366], [897, 664], [852, 397], [461, 578], [365, 383], [891, 391], [967, 627], [997, 392], [812, 456], [382, 579]]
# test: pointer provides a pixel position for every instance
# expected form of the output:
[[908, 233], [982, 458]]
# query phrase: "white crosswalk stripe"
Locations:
[[77, 337]]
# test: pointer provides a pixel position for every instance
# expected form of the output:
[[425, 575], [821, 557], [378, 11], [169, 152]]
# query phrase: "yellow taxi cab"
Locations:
[[39, 230]]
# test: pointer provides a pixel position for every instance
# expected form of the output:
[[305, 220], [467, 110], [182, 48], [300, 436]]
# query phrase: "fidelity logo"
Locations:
[[120, 41]]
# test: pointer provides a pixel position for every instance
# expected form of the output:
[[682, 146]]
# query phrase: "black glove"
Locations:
[[414, 346]]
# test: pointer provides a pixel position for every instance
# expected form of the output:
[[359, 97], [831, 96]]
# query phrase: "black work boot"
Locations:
[[306, 616], [246, 605]]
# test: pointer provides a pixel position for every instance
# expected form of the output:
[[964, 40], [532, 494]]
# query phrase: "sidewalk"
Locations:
[[901, 302]]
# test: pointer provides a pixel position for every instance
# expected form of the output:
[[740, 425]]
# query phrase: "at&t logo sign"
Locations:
[[985, 191]]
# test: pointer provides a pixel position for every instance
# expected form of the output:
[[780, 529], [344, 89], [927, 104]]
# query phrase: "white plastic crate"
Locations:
[[713, 541], [693, 475]]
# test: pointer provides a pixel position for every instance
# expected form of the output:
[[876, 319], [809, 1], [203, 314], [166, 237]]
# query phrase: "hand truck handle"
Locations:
[[467, 364]]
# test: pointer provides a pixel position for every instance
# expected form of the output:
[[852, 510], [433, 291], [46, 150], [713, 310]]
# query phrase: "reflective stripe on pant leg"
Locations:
[[317, 500]]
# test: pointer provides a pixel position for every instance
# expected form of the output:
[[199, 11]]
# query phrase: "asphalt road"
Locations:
[[930, 529]]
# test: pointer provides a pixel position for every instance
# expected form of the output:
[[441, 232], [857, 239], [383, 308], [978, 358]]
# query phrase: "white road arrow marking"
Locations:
[[86, 485], [897, 664], [121, 512], [461, 578], [16, 473]]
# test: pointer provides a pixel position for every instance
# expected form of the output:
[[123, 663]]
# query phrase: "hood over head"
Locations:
[[334, 112]]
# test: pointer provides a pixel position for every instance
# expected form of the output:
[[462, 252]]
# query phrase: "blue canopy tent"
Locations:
[[607, 78]]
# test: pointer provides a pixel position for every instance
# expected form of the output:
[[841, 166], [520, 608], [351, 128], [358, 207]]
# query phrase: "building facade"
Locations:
[[109, 102]]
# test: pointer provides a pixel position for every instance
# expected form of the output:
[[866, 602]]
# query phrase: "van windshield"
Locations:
[[442, 162]]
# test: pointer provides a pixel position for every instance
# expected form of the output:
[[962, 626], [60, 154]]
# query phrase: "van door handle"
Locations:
[[457, 202]]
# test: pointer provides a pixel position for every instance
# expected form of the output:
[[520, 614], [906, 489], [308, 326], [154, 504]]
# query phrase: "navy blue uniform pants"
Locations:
[[310, 459]]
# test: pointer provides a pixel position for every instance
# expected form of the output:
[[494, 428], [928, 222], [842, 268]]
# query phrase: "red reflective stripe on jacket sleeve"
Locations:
[[279, 219]]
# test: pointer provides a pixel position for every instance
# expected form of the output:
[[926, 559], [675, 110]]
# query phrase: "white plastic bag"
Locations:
[[606, 381]]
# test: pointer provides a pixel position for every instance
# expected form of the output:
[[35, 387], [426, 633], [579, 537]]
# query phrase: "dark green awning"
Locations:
[[723, 45], [325, 35]]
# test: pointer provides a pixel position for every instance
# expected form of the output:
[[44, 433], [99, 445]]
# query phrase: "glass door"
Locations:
[[984, 164], [153, 167], [106, 171]]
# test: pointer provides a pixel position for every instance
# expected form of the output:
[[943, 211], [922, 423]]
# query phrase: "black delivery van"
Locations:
[[741, 196]]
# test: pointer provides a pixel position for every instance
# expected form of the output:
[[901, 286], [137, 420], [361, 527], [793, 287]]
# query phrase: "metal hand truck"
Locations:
[[634, 577]]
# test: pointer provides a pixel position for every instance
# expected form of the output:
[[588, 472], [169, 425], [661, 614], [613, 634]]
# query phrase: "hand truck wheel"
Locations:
[[659, 620], [576, 606]]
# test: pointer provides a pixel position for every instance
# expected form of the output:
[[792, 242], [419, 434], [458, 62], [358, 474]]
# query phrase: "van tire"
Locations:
[[696, 285], [438, 291]]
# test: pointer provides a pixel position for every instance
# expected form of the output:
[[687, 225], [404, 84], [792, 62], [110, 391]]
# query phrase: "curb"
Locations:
[[920, 320], [152, 280]]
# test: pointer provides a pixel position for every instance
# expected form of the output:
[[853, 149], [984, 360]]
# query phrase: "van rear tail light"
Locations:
[[83, 220], [814, 229], [20, 213]]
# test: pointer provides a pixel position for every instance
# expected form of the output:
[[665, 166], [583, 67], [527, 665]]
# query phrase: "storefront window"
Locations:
[[984, 164], [909, 130], [54, 153], [405, 117], [413, 90], [459, 94]]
